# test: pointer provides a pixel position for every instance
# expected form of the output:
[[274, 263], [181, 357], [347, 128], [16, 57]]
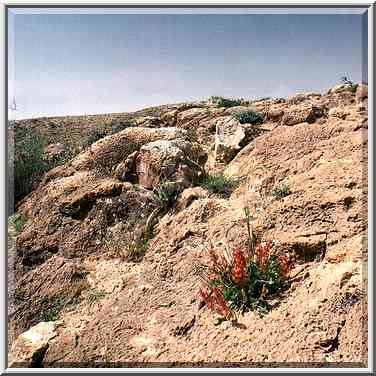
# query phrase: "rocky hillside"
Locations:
[[105, 263]]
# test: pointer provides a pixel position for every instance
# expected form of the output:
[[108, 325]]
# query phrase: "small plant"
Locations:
[[128, 242], [51, 312], [347, 81], [218, 184], [18, 221], [94, 296], [281, 192], [249, 117], [245, 279], [223, 102], [166, 195]]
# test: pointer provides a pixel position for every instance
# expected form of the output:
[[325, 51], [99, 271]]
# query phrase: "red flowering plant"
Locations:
[[244, 279]]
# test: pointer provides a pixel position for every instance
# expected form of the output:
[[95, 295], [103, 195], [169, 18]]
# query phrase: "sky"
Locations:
[[76, 64]]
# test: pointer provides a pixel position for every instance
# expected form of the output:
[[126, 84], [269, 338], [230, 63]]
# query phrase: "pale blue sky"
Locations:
[[63, 64]]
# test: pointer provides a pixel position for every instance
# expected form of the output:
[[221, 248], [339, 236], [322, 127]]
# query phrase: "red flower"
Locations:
[[239, 269], [284, 263], [215, 301]]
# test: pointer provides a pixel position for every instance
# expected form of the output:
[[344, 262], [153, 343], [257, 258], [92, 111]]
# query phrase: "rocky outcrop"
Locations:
[[304, 180]]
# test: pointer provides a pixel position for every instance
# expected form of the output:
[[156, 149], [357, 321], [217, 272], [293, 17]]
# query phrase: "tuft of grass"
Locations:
[[51, 312], [218, 184], [281, 192], [166, 195], [18, 221], [94, 296], [249, 117]]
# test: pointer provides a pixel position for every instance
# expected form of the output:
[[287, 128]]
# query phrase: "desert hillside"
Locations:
[[107, 251]]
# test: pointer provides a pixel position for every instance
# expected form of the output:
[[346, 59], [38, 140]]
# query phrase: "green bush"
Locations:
[[51, 311], [223, 102], [166, 195], [18, 221], [218, 184], [281, 192], [93, 136], [347, 81], [27, 162], [249, 117]]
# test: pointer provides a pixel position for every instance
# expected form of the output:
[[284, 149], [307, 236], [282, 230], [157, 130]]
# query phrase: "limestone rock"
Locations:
[[29, 348], [168, 160], [299, 114], [231, 136], [188, 196]]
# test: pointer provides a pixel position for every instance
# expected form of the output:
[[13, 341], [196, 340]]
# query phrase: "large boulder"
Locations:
[[111, 150], [29, 348], [169, 160], [231, 136], [301, 113]]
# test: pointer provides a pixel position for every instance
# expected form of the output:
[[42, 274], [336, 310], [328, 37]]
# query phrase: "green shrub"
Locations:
[[245, 280], [281, 192], [93, 136], [223, 102], [18, 221], [218, 184], [94, 296], [166, 195], [249, 117], [27, 162], [51, 311], [347, 81]]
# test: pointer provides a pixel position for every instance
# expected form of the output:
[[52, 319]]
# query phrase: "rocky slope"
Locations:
[[141, 308]]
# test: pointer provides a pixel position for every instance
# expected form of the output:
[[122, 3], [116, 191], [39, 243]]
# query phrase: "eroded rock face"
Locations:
[[29, 348]]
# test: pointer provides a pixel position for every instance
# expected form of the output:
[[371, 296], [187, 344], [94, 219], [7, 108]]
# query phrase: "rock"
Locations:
[[54, 151], [29, 348], [111, 150], [231, 136], [361, 92], [148, 121], [169, 118], [192, 113], [299, 114], [275, 113], [340, 88], [173, 160], [188, 196], [339, 112]]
